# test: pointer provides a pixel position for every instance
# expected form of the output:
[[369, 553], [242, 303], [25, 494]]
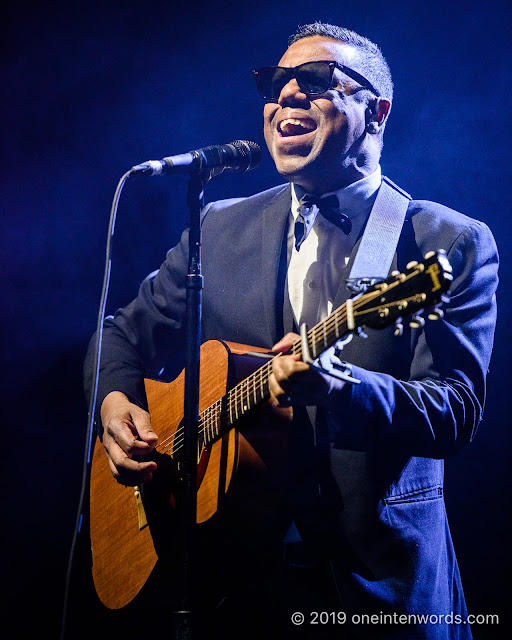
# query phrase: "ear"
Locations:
[[376, 114]]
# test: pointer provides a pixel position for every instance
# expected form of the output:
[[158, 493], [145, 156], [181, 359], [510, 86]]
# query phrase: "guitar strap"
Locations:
[[380, 237], [371, 263], [378, 244]]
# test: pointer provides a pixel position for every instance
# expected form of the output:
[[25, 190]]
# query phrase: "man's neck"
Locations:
[[327, 182]]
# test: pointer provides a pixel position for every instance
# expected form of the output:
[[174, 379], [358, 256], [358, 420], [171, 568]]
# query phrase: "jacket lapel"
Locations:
[[274, 231]]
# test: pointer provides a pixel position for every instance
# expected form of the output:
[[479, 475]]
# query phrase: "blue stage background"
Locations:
[[92, 88]]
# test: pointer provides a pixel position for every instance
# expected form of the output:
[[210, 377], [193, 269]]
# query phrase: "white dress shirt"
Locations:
[[313, 272]]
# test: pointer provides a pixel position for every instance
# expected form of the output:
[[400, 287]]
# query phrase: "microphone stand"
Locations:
[[187, 506]]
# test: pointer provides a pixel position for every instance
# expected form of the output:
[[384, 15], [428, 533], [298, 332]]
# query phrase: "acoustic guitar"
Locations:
[[131, 527]]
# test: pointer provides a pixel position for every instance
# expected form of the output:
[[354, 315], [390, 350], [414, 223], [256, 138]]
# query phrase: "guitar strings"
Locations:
[[175, 441], [250, 384], [236, 394]]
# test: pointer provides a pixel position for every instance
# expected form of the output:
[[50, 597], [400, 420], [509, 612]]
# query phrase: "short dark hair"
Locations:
[[372, 64]]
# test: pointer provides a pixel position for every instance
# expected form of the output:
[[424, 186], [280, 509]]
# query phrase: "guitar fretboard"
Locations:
[[221, 416]]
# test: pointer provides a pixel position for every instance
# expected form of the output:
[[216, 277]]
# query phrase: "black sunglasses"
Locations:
[[313, 78]]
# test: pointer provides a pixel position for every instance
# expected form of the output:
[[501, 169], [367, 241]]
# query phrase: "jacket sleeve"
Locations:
[[138, 341], [436, 411]]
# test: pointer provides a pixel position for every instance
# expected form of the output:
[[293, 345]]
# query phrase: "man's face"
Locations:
[[316, 141]]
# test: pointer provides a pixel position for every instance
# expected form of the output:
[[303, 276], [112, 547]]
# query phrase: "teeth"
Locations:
[[295, 122], [292, 121]]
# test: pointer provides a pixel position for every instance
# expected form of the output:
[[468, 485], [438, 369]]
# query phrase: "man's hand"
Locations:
[[127, 432], [294, 382]]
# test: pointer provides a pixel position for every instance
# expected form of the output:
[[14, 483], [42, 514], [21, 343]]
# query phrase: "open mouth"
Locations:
[[295, 127]]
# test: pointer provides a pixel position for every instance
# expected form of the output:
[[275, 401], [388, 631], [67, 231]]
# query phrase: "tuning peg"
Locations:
[[395, 273], [399, 329], [417, 322], [411, 264], [436, 314], [429, 254]]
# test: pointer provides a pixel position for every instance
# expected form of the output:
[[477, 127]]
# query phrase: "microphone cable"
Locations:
[[92, 399]]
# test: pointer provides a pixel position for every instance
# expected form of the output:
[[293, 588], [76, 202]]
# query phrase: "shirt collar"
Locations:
[[353, 199]]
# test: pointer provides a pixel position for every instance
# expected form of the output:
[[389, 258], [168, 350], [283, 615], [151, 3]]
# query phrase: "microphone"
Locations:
[[239, 155]]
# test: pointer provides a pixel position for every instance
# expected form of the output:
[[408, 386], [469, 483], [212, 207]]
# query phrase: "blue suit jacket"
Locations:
[[420, 400]]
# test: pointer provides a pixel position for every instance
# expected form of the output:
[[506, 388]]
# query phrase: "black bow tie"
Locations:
[[329, 208]]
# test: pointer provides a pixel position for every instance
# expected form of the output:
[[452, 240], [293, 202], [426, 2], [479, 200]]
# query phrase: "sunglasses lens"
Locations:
[[314, 78], [270, 81]]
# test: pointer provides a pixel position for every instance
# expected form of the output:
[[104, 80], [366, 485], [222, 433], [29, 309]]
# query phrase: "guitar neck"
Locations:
[[223, 415]]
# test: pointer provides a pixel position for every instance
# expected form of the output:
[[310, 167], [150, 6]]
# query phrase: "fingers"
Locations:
[[124, 469], [131, 429], [292, 382], [285, 343], [279, 379], [127, 435], [283, 379]]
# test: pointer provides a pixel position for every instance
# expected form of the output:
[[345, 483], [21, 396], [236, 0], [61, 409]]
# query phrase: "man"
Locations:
[[365, 490]]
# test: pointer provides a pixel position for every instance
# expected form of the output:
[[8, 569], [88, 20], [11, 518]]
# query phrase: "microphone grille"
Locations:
[[249, 153]]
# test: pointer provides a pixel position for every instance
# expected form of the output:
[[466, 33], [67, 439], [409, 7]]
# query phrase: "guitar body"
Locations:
[[123, 554], [132, 527]]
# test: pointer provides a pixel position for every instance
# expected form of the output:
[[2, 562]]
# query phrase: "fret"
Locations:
[[207, 426], [205, 429], [247, 403], [243, 386], [202, 429], [263, 375], [216, 420], [200, 433], [203, 419], [313, 345], [236, 402], [211, 423], [247, 400]]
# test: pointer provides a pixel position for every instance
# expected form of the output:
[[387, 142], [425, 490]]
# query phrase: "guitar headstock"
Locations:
[[421, 286]]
